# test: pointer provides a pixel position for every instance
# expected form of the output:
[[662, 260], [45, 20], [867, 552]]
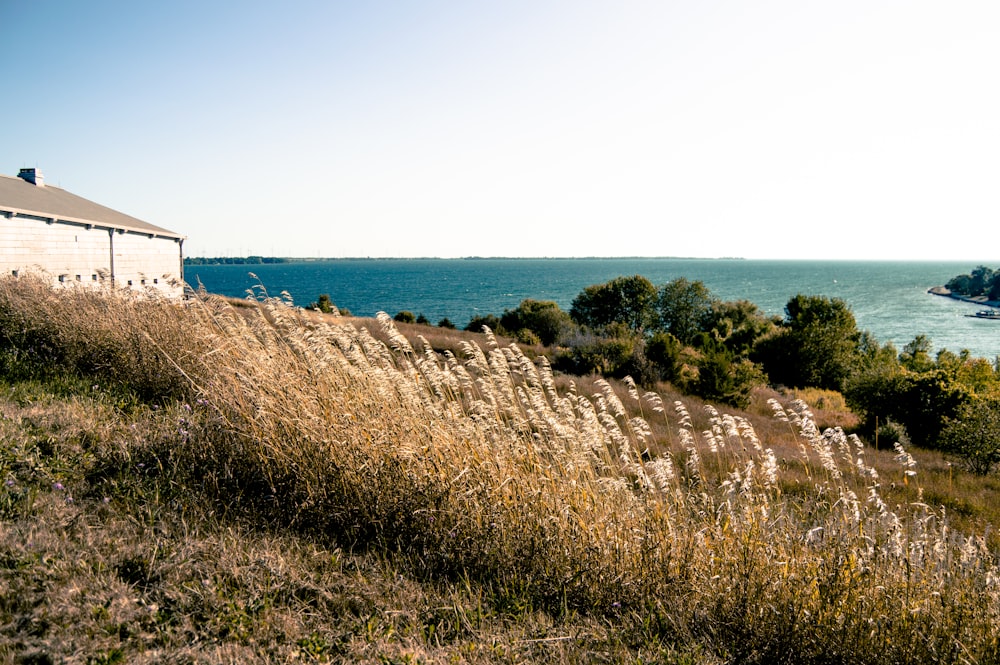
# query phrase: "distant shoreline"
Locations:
[[974, 300], [259, 260]]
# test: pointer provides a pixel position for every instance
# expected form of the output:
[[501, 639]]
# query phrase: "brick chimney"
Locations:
[[34, 176]]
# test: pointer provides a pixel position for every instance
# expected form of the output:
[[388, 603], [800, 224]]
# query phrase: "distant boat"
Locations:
[[986, 314]]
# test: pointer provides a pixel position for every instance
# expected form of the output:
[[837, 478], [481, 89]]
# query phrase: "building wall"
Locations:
[[71, 253], [146, 262]]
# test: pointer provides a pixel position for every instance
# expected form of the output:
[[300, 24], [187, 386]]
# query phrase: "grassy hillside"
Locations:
[[204, 483]]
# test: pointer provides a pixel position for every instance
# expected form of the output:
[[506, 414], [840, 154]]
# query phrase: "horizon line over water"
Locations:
[[555, 257], [888, 298]]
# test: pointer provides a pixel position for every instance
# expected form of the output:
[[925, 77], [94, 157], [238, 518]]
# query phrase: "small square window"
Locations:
[[79, 278], [130, 282], [93, 278]]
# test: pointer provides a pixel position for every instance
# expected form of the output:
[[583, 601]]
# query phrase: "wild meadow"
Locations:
[[201, 482]]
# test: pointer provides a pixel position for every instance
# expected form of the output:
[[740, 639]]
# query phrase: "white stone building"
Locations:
[[47, 230]]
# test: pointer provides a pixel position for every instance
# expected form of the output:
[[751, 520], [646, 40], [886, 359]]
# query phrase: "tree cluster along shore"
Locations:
[[976, 300]]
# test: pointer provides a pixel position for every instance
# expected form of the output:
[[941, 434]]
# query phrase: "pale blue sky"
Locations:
[[771, 129]]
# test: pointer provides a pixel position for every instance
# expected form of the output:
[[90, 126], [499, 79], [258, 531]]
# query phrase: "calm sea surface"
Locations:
[[889, 299]]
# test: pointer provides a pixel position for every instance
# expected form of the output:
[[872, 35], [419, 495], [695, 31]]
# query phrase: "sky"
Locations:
[[771, 129]]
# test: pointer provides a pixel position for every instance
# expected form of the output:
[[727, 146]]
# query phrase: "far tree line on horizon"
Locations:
[[680, 333]]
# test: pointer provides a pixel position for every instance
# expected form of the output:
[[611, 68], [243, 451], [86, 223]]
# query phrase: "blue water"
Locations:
[[889, 299]]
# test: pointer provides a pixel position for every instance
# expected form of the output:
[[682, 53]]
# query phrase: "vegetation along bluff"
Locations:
[[655, 475]]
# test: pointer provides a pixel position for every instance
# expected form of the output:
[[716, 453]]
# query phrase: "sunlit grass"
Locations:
[[748, 537]]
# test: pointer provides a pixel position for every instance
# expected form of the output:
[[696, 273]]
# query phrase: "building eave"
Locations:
[[10, 211]]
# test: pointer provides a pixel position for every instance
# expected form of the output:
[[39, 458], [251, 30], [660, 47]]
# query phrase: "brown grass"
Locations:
[[604, 519]]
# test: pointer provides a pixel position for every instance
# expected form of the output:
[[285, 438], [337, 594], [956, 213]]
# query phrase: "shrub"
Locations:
[[921, 403], [405, 317], [490, 321], [663, 350], [974, 435], [542, 317], [323, 304], [721, 379], [596, 354]]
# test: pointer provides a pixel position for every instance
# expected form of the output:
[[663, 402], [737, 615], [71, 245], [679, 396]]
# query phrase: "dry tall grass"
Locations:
[[475, 467]]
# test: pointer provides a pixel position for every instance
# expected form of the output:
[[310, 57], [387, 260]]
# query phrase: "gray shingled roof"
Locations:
[[22, 197]]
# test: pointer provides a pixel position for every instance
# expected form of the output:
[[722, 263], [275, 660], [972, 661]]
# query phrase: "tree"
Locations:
[[405, 317], [818, 344], [685, 308], [663, 350], [541, 317], [739, 325], [627, 300], [981, 281], [916, 355]]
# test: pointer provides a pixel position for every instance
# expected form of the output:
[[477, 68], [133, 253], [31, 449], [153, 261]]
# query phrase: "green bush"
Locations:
[[921, 403], [323, 304], [974, 435], [630, 301], [491, 321], [723, 379], [595, 354], [663, 350], [541, 317]]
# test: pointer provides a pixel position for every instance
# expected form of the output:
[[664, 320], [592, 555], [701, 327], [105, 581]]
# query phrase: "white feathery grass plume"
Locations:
[[733, 483], [749, 472], [615, 405], [769, 469], [661, 470], [643, 432], [397, 342], [693, 463], [547, 379], [633, 391], [850, 501], [748, 433], [730, 427], [875, 499], [490, 337], [713, 444], [682, 413], [824, 445], [905, 460], [655, 402]]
